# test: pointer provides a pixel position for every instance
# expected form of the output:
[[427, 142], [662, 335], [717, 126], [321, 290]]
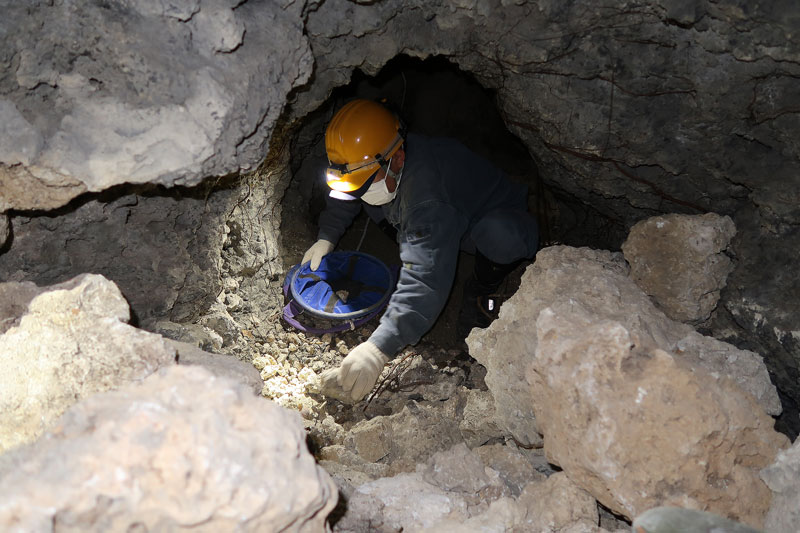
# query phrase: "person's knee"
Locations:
[[506, 237]]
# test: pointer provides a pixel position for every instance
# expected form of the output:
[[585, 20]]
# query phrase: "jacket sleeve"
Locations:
[[429, 245], [336, 218]]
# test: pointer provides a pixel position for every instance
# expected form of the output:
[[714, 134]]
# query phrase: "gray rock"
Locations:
[[783, 478], [458, 469], [220, 365], [478, 424], [384, 504], [121, 112], [181, 449], [670, 519], [14, 300], [407, 438], [678, 260], [161, 249], [598, 283], [514, 468], [638, 428], [72, 342]]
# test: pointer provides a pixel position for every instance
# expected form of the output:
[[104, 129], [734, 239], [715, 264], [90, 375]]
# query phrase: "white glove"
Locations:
[[360, 369], [318, 250]]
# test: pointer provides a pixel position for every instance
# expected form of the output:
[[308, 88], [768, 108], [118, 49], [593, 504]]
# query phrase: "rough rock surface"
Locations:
[[94, 100], [638, 428], [407, 438], [759, 306], [679, 519], [598, 282], [783, 478], [180, 450], [161, 249], [679, 261], [455, 491], [74, 341], [14, 300], [5, 230], [220, 365]]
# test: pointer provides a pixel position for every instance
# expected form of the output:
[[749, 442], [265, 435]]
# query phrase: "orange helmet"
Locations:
[[360, 138]]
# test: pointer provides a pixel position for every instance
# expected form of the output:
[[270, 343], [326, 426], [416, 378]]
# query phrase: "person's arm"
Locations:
[[333, 222], [336, 218], [429, 246]]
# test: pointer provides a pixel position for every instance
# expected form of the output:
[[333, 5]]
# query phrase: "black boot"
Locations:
[[480, 302]]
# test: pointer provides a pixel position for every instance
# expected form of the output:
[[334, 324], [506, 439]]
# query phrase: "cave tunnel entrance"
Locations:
[[434, 98]]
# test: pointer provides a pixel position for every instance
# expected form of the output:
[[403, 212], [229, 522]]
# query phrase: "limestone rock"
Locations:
[[557, 504], [514, 468], [598, 282], [404, 439], [638, 427], [14, 300], [383, 505], [678, 260], [370, 439], [162, 249], [459, 469], [118, 109], [669, 519], [74, 341], [220, 365], [783, 478], [478, 424], [180, 450]]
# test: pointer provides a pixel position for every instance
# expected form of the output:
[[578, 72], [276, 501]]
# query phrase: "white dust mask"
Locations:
[[378, 193]]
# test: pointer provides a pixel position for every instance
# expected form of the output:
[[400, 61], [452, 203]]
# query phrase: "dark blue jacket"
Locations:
[[444, 190]]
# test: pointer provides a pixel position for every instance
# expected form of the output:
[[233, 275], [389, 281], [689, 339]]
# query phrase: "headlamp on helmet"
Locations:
[[359, 140]]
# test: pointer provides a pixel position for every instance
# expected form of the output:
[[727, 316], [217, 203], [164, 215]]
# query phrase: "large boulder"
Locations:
[[94, 101], [638, 427], [598, 282], [679, 261], [73, 341], [180, 450]]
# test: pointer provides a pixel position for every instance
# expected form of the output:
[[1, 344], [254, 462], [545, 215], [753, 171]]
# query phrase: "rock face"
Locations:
[[455, 491], [73, 342], [180, 450], [94, 100], [597, 282], [638, 428], [560, 380], [783, 478], [678, 260], [162, 250]]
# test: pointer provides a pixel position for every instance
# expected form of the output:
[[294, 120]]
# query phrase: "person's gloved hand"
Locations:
[[360, 369], [318, 250]]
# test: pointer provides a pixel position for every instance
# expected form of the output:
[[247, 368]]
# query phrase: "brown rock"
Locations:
[[180, 450], [678, 261], [639, 428], [597, 282], [73, 342], [556, 504]]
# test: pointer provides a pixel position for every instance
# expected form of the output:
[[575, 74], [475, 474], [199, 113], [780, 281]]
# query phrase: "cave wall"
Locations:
[[634, 109]]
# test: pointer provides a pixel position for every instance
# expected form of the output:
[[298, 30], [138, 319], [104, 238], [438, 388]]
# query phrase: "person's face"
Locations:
[[397, 162]]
